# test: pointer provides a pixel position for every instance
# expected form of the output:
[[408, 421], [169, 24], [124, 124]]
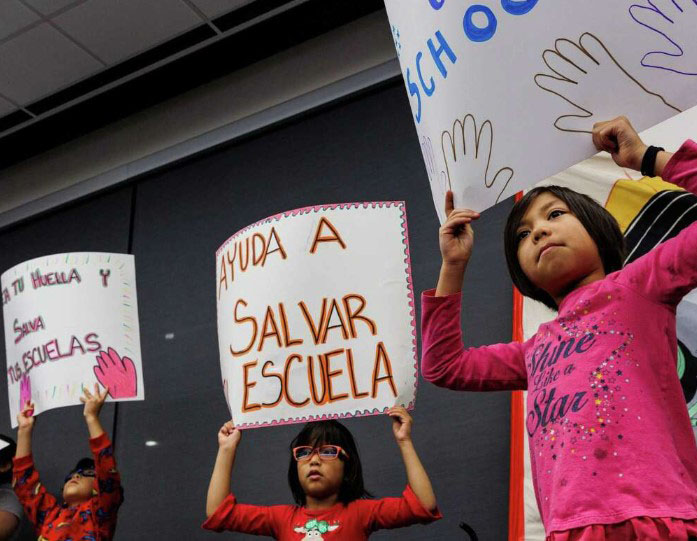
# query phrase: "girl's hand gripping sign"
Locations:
[[316, 315]]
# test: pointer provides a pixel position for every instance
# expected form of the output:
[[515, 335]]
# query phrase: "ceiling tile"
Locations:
[[39, 62], [49, 6], [14, 16], [117, 29], [213, 8], [6, 107]]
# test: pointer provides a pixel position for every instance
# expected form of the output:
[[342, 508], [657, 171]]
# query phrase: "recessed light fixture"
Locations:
[[150, 443], [169, 336]]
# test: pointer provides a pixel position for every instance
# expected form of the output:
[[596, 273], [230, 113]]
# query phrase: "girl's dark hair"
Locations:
[[330, 433], [599, 223]]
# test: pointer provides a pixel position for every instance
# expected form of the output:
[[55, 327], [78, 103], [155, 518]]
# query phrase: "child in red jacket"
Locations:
[[92, 491]]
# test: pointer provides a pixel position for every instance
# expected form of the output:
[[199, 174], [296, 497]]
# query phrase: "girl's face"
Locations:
[[555, 251], [320, 478]]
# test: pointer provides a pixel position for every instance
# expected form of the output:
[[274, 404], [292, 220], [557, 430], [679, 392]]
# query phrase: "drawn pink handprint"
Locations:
[[24, 391], [674, 20], [116, 373]]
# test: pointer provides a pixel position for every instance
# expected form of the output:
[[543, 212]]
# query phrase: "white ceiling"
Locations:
[[48, 45]]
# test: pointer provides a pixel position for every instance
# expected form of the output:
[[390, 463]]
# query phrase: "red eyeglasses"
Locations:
[[324, 452]]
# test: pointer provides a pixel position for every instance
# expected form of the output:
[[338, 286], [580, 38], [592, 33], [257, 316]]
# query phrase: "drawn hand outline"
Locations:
[[580, 66], [24, 391], [475, 157], [437, 179], [118, 374], [666, 18]]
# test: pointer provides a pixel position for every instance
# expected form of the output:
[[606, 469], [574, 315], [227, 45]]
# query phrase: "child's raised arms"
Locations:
[[219, 487], [456, 240], [93, 405], [25, 420], [416, 474]]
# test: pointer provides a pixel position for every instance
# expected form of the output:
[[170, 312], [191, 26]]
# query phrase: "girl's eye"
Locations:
[[303, 453], [556, 213], [521, 235]]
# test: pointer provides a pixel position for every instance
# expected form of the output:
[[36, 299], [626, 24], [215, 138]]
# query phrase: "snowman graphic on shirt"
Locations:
[[314, 529]]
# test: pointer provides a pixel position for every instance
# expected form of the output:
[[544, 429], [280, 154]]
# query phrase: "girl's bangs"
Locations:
[[321, 433]]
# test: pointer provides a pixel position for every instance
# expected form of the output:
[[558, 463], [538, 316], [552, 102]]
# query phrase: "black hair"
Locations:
[[598, 222], [83, 464], [6, 454], [330, 433]]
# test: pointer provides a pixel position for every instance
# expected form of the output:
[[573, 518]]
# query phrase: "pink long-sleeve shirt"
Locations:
[[609, 433]]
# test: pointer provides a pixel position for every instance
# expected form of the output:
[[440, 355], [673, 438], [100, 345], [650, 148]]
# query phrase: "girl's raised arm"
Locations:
[[668, 271], [456, 239], [619, 138], [219, 487], [416, 474]]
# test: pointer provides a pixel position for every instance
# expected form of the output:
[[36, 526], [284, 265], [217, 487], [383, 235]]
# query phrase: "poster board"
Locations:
[[504, 93], [71, 320], [316, 315]]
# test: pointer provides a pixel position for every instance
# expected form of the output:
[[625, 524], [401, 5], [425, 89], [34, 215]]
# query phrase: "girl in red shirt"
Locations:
[[326, 480]]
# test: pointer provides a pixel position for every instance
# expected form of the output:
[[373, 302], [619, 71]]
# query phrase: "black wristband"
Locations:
[[648, 162]]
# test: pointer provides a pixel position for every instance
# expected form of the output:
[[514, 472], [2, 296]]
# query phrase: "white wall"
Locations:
[[103, 156]]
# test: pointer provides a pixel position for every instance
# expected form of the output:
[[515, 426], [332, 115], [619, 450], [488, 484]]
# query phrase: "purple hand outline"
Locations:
[[24, 391], [676, 24], [117, 374]]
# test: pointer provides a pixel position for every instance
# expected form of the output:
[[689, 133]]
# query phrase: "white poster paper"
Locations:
[[505, 92], [316, 315], [71, 320]]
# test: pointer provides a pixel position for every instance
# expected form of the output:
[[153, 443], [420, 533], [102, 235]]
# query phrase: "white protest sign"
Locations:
[[505, 92], [316, 315], [71, 320]]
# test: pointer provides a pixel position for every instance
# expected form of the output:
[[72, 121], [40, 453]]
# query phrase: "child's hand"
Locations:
[[229, 436], [401, 423], [25, 418], [456, 236], [93, 403], [621, 140]]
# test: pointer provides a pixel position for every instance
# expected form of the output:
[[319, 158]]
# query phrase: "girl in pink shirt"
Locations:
[[612, 451]]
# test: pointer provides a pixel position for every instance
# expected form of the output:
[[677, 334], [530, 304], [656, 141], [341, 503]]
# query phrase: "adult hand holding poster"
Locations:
[[316, 315], [505, 92], [71, 320]]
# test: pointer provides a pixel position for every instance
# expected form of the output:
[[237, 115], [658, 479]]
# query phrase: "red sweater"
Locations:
[[354, 522], [92, 520]]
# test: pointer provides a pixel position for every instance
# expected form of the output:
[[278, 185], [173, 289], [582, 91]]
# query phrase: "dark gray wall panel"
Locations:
[[361, 150], [98, 224]]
